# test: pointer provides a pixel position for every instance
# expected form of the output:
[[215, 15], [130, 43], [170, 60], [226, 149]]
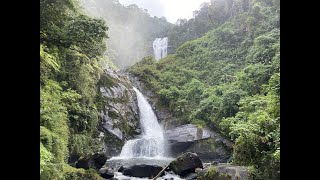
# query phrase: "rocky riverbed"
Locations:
[[187, 166]]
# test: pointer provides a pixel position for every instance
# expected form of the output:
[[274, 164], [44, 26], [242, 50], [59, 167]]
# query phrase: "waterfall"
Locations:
[[151, 143], [160, 46]]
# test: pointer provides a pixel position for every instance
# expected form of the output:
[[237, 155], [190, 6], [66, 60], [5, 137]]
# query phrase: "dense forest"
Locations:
[[223, 72], [71, 53], [228, 79]]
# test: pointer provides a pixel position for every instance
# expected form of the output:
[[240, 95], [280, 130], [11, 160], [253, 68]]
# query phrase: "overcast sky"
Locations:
[[171, 9]]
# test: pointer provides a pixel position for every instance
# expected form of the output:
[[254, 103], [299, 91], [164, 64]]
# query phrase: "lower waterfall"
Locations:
[[152, 142]]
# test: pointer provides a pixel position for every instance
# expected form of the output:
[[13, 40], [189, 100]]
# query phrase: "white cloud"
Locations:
[[171, 9]]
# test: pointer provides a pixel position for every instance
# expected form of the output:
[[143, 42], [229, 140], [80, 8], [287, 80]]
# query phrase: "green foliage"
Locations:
[[52, 171], [71, 173], [82, 145], [48, 59], [253, 77], [263, 49], [45, 157], [71, 55], [212, 173]]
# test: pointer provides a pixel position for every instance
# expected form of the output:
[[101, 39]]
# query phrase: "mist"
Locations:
[[131, 30]]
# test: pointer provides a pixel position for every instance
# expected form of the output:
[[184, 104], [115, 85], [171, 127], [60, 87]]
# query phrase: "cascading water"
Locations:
[[148, 149], [160, 46], [151, 144]]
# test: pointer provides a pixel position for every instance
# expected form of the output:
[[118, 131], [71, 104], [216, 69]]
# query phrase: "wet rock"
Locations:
[[185, 164], [106, 173], [121, 169], [191, 176], [142, 170]]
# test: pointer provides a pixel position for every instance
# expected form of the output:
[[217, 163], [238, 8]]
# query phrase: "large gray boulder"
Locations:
[[185, 164], [209, 145]]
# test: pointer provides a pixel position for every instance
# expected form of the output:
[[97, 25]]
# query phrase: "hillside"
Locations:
[[229, 79]]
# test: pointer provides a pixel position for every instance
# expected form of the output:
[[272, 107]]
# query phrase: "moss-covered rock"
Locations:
[[185, 164]]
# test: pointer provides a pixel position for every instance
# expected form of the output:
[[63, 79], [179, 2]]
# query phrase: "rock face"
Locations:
[[141, 170], [119, 118], [208, 144], [185, 164]]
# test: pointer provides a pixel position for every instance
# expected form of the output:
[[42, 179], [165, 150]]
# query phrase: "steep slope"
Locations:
[[87, 110]]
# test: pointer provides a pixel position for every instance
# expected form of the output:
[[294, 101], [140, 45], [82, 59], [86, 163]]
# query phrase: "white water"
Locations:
[[160, 46], [151, 144], [120, 176]]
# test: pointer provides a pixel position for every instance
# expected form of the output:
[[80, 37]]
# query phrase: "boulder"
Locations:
[[106, 173], [208, 144], [185, 164], [141, 170]]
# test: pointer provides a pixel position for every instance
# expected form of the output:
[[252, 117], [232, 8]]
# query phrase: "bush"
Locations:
[[213, 174], [71, 173]]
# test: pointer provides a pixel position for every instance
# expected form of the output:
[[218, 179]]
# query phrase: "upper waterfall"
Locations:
[[160, 46]]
